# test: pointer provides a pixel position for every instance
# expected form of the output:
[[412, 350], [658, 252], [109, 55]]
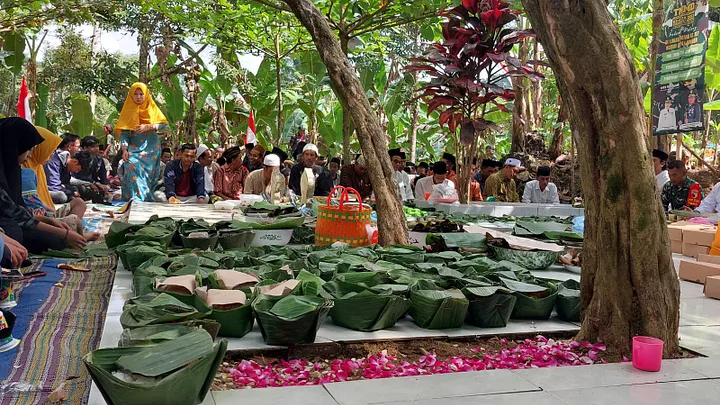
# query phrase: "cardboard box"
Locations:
[[675, 233], [676, 246], [712, 287], [702, 237], [709, 259], [691, 250], [697, 272]]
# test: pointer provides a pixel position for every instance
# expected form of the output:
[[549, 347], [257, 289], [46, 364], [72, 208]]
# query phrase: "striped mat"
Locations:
[[59, 319]]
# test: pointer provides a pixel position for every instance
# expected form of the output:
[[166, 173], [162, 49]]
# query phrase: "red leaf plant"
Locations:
[[465, 71]]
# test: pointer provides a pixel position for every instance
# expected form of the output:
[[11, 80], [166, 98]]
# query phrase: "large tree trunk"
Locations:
[[347, 123], [629, 285], [558, 139], [392, 227], [278, 88], [144, 52], [193, 93], [520, 116], [537, 90], [95, 48]]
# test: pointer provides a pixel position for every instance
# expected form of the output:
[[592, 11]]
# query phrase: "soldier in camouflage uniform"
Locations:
[[675, 192]]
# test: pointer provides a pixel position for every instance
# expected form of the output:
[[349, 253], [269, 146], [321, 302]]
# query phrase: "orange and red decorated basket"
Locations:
[[343, 223]]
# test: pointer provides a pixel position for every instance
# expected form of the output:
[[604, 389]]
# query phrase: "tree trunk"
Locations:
[[193, 92], [313, 126], [392, 227], [95, 49], [144, 52], [347, 123], [537, 120], [31, 76], [629, 285], [414, 119], [556, 147], [279, 88], [520, 116], [657, 21]]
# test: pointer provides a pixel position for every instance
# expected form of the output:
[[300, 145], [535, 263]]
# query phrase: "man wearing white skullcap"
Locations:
[[268, 180], [205, 158], [322, 178], [501, 185]]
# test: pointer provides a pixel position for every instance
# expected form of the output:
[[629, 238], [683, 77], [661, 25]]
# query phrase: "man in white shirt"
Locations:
[[401, 178], [667, 119], [541, 191], [205, 158], [661, 175], [711, 203], [425, 186]]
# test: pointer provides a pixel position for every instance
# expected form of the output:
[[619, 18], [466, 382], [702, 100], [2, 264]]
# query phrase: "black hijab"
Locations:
[[17, 136]]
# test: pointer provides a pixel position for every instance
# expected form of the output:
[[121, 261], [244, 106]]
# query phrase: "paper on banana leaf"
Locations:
[[235, 316]]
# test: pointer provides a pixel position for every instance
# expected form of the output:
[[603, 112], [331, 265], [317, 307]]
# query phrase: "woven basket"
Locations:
[[342, 223]]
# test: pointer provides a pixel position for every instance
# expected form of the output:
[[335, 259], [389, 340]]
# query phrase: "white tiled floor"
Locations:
[[427, 387], [675, 393]]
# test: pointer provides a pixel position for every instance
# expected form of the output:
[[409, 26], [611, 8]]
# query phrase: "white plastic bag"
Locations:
[[444, 192]]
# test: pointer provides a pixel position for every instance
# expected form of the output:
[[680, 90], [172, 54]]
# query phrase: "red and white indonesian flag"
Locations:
[[24, 102], [250, 135]]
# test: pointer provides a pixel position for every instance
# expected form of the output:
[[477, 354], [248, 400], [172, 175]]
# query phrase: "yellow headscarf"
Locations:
[[40, 155], [133, 114]]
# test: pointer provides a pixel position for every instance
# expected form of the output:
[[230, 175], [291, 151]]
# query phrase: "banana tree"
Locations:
[[465, 70]]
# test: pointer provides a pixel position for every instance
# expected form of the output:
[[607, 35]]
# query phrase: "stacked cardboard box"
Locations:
[[691, 239], [697, 272]]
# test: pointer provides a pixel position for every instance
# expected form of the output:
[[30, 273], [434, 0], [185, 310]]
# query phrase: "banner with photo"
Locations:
[[679, 88]]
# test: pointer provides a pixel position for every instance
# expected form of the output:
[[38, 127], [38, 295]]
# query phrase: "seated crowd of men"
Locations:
[[198, 174]]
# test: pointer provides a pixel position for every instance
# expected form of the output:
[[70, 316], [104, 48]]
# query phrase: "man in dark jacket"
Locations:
[[322, 177], [185, 178]]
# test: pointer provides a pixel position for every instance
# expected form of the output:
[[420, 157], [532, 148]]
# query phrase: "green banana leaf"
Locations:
[[356, 307], [168, 356], [530, 259], [457, 240], [434, 309], [490, 306], [280, 326], [569, 303], [144, 279], [152, 233], [136, 255], [528, 307], [200, 243], [186, 386], [311, 284], [160, 309], [117, 232], [153, 334], [236, 322]]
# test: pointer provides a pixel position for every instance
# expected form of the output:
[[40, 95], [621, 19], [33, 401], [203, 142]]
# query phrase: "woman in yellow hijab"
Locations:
[[138, 125], [41, 154]]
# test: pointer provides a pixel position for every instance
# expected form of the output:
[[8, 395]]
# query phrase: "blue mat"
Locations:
[[30, 296]]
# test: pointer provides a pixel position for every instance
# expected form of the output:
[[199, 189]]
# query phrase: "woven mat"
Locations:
[[60, 318]]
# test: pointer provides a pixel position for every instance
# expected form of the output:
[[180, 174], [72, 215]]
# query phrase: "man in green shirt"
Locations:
[[675, 192], [501, 185]]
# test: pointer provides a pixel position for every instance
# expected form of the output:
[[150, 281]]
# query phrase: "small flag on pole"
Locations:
[[24, 102], [250, 135]]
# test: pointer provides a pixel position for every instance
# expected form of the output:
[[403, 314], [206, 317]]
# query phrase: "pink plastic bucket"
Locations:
[[647, 353]]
